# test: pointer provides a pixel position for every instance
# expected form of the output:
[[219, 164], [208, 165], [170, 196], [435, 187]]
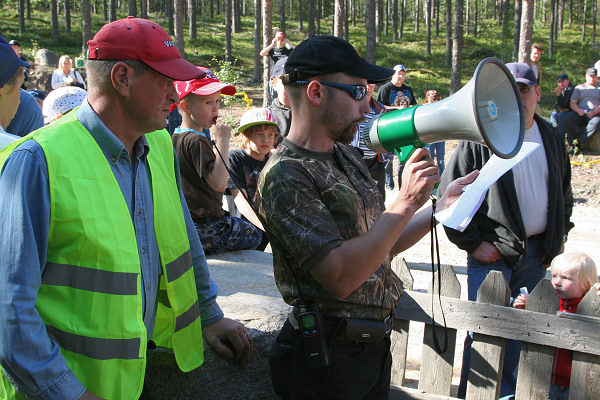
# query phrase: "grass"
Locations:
[[571, 56]]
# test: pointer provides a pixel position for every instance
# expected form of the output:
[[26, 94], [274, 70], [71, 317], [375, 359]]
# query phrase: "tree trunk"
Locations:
[[237, 16], [526, 30], [467, 17], [448, 33], [402, 16], [417, 14], [86, 25], [395, 20], [178, 25], [594, 10], [516, 29], [437, 18], [370, 27], [169, 12], [267, 12], [144, 9], [338, 19], [105, 11], [21, 10], [212, 8], [428, 26], [132, 8], [282, 15], [457, 47], [300, 27], [28, 9], [386, 20], [475, 18], [67, 13], [319, 10], [112, 5], [346, 31], [228, 19], [54, 20], [583, 25], [552, 27], [378, 20], [505, 30], [191, 11], [311, 17], [257, 41]]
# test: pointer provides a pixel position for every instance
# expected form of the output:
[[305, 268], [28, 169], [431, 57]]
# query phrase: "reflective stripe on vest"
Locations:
[[90, 294]]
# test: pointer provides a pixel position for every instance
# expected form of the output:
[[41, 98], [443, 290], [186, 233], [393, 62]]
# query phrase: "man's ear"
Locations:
[[315, 92], [121, 78]]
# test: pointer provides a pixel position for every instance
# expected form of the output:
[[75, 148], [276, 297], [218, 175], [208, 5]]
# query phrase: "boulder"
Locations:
[[247, 293], [46, 58], [593, 145]]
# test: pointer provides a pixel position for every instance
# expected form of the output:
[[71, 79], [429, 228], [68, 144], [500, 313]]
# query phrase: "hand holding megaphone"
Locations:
[[487, 110]]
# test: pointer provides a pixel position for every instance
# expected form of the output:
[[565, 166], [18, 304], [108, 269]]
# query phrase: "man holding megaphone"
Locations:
[[332, 237], [524, 219]]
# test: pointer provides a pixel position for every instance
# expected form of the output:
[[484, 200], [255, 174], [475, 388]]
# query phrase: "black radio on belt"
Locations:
[[312, 334]]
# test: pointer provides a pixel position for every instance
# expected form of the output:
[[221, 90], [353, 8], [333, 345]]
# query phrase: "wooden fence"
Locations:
[[539, 327]]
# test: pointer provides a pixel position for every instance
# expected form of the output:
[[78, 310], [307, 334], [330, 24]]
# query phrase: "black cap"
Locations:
[[13, 42], [278, 68], [321, 55], [591, 71], [562, 77]]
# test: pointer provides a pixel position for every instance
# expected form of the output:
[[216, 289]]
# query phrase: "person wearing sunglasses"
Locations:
[[330, 233]]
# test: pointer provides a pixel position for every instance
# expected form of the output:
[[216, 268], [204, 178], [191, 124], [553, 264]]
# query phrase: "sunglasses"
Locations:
[[357, 92]]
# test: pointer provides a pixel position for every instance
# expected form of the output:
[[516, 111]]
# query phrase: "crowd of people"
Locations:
[[108, 218]]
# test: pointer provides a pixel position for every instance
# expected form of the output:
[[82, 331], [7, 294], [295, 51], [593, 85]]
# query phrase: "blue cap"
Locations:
[[9, 62], [522, 73], [39, 95], [399, 67]]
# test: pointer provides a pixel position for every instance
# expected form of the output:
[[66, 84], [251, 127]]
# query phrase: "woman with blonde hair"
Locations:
[[65, 76]]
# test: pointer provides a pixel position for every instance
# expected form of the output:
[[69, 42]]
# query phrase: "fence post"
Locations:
[[436, 369], [399, 336], [585, 370], [535, 363], [487, 352]]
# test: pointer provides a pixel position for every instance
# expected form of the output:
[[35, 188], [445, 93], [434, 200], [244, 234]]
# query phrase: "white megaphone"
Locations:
[[487, 110]]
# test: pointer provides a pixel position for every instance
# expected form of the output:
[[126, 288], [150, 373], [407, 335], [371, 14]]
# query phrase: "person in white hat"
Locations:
[[61, 101], [259, 134]]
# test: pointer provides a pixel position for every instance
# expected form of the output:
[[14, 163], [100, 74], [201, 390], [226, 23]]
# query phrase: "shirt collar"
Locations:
[[110, 145]]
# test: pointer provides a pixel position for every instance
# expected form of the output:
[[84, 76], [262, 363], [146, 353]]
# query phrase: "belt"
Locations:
[[356, 330]]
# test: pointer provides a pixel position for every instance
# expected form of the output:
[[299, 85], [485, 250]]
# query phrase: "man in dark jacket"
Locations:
[[563, 90], [524, 219]]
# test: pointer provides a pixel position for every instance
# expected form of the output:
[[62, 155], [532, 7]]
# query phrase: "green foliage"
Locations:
[[226, 72]]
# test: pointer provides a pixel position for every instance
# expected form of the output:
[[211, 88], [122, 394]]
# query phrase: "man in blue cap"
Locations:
[[12, 70], [524, 220]]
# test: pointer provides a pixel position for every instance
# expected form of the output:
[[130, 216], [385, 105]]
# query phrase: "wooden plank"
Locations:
[[535, 362], [404, 393], [585, 370], [504, 322], [399, 336], [487, 352], [436, 369]]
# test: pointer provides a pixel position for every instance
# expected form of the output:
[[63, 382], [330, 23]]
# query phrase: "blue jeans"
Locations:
[[388, 159], [527, 272], [578, 127]]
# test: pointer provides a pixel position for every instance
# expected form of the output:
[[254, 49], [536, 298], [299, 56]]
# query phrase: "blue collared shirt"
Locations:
[[30, 359]]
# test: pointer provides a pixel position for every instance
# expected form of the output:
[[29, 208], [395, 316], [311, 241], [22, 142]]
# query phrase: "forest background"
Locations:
[[439, 41]]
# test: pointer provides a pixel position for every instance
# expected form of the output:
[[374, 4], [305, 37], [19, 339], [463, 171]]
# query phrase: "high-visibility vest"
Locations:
[[90, 297]]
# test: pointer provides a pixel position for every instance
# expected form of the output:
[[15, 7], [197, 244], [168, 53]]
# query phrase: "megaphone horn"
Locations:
[[487, 110]]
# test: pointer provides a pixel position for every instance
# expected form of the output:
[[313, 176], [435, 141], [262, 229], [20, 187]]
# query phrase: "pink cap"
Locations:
[[207, 85]]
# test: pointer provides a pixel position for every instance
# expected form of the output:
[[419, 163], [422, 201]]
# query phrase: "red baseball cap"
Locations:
[[207, 85], [140, 39]]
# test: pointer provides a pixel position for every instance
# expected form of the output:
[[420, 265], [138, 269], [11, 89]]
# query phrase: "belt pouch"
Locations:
[[364, 330]]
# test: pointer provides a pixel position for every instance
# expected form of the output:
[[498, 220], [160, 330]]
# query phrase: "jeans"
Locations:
[[356, 370], [388, 159], [228, 234], [578, 127], [527, 272]]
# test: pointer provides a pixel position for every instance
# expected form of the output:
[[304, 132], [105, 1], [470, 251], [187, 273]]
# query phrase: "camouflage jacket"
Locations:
[[310, 202]]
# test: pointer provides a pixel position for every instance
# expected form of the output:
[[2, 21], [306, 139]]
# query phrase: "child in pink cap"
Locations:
[[204, 174]]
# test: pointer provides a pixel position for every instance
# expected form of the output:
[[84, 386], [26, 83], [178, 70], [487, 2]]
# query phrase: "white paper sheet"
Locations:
[[459, 214]]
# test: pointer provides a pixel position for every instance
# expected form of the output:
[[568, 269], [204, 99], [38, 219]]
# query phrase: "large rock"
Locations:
[[593, 144], [247, 293], [46, 58]]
